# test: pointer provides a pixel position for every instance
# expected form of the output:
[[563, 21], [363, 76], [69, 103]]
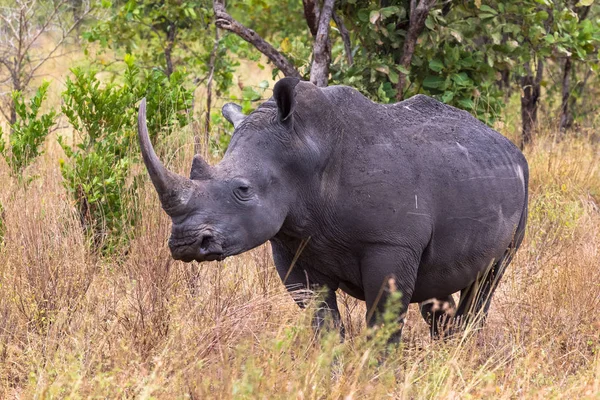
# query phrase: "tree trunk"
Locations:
[[311, 14], [171, 33], [418, 16], [212, 61], [565, 116], [530, 85], [319, 71], [17, 86]]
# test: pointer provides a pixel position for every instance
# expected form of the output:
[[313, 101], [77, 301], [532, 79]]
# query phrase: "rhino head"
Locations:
[[243, 201]]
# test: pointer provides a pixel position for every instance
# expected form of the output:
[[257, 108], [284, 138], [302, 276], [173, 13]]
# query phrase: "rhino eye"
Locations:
[[242, 192]]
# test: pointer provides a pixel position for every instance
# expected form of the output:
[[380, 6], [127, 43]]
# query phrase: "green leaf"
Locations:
[[434, 82], [402, 69], [429, 23], [363, 15], [585, 3], [486, 15], [467, 104], [393, 75], [447, 97], [541, 16], [248, 93], [389, 11], [436, 65], [488, 9], [462, 79]]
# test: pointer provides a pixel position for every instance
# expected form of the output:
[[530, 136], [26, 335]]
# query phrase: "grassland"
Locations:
[[74, 325]]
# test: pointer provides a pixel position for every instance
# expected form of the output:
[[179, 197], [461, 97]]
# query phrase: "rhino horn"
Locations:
[[173, 189]]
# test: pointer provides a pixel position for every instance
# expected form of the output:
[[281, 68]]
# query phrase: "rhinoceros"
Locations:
[[417, 197]]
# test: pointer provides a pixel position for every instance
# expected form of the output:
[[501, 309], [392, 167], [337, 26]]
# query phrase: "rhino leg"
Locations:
[[438, 313], [475, 299], [305, 286], [382, 278]]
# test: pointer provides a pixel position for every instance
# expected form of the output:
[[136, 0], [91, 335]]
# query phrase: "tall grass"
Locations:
[[73, 324]]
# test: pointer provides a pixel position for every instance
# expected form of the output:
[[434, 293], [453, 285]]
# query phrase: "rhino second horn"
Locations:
[[172, 189], [200, 169]]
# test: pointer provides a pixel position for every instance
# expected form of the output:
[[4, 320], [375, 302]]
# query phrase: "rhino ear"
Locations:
[[233, 113], [284, 93]]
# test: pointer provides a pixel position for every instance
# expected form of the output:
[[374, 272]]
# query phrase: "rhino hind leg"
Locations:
[[439, 314], [475, 300]]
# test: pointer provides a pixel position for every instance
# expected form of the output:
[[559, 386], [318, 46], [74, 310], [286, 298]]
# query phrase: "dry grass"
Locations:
[[77, 326]]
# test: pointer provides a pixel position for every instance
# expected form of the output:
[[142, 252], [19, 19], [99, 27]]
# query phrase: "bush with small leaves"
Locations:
[[29, 131], [103, 115]]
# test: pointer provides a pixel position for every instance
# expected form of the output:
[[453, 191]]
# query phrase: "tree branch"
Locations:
[[311, 13], [43, 28], [65, 34], [225, 21], [319, 72], [418, 15], [345, 37]]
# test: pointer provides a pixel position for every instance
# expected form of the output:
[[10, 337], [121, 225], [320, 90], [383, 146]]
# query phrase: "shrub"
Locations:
[[104, 148], [28, 132]]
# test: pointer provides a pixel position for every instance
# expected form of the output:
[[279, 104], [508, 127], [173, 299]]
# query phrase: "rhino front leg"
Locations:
[[305, 286], [387, 272]]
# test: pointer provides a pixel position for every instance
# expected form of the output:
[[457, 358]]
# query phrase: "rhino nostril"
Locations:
[[205, 244]]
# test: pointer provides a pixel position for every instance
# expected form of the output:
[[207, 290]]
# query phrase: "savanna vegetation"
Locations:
[[92, 304]]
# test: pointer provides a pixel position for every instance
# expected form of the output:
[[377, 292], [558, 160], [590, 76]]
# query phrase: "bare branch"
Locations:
[[8, 22], [23, 28], [345, 37], [58, 45], [43, 28], [418, 15], [225, 21]]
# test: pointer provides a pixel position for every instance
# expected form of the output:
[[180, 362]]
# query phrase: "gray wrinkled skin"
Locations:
[[417, 191]]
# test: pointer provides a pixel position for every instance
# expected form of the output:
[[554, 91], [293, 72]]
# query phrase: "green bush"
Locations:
[[104, 117], [28, 132]]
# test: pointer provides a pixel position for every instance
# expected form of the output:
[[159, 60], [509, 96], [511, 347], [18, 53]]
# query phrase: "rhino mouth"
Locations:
[[207, 257], [199, 247]]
